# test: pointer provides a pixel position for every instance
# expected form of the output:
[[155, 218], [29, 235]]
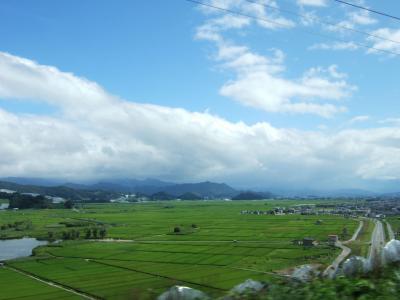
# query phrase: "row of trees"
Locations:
[[18, 225], [90, 233], [24, 201]]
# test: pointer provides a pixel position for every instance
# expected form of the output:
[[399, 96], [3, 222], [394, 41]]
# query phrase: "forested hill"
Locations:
[[62, 191]]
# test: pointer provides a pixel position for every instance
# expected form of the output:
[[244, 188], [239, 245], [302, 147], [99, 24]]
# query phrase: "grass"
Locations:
[[395, 223], [223, 249], [360, 247]]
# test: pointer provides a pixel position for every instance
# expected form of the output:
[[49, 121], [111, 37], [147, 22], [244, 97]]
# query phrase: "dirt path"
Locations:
[[52, 284], [356, 233], [330, 271]]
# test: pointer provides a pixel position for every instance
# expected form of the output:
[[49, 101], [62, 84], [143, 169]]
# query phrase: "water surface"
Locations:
[[10, 249]]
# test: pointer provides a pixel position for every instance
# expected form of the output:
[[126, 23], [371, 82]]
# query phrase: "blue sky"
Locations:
[[160, 52]]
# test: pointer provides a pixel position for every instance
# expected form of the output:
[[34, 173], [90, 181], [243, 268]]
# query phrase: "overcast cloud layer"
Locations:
[[96, 135]]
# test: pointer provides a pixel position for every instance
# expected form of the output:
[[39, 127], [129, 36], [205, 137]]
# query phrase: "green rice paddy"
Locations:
[[216, 248]]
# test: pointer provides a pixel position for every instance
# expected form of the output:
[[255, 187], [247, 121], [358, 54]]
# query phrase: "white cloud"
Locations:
[[312, 2], [359, 119], [391, 121], [387, 45], [335, 46], [259, 83], [221, 20], [96, 135], [259, 80], [354, 20]]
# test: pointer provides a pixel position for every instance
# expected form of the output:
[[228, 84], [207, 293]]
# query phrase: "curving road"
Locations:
[[330, 271]]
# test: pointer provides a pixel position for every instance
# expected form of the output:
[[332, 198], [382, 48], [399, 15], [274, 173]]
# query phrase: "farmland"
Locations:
[[215, 248]]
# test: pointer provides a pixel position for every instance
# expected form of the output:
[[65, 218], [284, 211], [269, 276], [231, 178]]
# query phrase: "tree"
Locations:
[[177, 229], [94, 233], [102, 233], [88, 233], [68, 204], [66, 235]]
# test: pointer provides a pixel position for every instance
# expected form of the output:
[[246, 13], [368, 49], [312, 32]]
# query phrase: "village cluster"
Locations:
[[365, 208]]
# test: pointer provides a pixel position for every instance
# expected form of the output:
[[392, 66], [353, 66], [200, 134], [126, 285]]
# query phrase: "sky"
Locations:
[[301, 94]]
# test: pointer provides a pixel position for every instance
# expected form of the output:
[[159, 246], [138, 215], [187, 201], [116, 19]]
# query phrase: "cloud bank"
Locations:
[[96, 135]]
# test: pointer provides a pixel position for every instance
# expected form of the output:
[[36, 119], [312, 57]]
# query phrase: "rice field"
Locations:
[[217, 246]]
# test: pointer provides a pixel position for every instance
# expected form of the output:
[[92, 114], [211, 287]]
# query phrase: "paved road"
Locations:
[[377, 243]]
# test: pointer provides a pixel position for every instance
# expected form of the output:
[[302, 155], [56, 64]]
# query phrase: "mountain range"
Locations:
[[116, 187]]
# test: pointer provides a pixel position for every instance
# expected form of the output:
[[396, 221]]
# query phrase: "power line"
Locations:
[[368, 9], [323, 22], [285, 25]]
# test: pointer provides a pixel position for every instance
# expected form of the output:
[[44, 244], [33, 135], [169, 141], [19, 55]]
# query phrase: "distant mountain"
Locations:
[[252, 196], [111, 188], [162, 196], [148, 186], [152, 186], [33, 181], [390, 195], [203, 189], [312, 193], [62, 191], [189, 196]]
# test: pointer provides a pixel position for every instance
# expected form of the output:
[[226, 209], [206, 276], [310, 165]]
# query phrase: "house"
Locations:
[[308, 242], [332, 239]]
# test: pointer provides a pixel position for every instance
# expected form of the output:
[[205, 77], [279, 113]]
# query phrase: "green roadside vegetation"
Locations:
[[385, 229], [360, 246], [395, 223], [383, 285]]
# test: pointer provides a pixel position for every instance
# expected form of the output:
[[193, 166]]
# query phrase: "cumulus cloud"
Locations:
[[260, 83], [259, 80], [388, 34], [97, 135]]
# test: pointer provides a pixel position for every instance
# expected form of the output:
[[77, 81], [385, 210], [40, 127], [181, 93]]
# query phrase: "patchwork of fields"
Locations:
[[216, 248]]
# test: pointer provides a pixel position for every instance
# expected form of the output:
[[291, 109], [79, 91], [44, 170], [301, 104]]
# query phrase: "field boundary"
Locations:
[[157, 275], [53, 283]]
